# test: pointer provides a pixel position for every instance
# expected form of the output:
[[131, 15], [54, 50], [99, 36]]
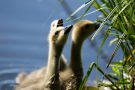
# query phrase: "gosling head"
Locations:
[[59, 34], [56, 23], [83, 29]]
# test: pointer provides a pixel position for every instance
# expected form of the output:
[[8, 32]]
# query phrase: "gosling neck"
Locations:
[[76, 59], [53, 59]]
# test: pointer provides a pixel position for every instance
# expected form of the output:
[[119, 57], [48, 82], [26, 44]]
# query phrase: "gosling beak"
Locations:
[[68, 29], [97, 25], [60, 22]]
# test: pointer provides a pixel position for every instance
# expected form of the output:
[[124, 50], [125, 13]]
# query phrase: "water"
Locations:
[[24, 26]]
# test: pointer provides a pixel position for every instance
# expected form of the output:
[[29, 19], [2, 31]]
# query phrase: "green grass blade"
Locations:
[[104, 39], [86, 77], [103, 23], [77, 10], [113, 20], [98, 6], [86, 10], [115, 50], [88, 74]]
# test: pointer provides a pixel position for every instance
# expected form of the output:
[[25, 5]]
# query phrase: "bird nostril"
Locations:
[[97, 25]]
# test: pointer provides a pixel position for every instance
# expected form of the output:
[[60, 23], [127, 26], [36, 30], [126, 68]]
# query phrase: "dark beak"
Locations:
[[97, 25], [68, 29], [60, 22]]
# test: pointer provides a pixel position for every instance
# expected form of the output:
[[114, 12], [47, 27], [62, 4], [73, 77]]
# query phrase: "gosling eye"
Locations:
[[57, 32], [53, 25]]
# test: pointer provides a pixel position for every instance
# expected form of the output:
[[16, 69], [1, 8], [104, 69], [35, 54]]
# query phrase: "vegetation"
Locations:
[[119, 18]]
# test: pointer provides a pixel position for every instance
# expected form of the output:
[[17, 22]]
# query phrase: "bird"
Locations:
[[71, 76], [74, 73], [49, 80], [40, 72]]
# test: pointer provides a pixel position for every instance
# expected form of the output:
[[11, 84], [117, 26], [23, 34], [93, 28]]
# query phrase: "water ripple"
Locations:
[[7, 85]]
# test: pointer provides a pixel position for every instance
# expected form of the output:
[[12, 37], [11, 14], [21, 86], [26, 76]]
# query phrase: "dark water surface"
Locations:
[[24, 27]]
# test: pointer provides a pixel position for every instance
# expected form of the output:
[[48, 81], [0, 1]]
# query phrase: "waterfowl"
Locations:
[[49, 80], [71, 76], [42, 71], [74, 74]]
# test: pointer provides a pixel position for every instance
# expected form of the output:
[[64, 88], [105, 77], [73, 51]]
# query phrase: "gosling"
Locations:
[[72, 76], [50, 80]]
